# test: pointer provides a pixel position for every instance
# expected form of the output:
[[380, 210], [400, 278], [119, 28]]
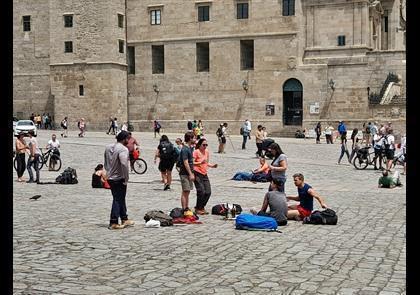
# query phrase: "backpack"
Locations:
[[158, 126], [222, 209], [68, 176], [177, 213], [167, 150], [255, 222], [62, 124], [241, 131], [386, 143], [327, 216], [164, 219], [219, 132]]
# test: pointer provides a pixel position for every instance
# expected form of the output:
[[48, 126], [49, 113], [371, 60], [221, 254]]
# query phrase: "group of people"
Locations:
[[196, 127], [31, 147], [42, 122]]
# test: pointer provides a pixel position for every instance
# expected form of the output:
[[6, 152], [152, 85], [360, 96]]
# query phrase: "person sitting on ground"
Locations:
[[306, 195], [386, 181], [260, 174], [99, 178], [276, 200]]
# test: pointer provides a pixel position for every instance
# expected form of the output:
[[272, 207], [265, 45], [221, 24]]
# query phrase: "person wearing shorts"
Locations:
[[186, 170], [306, 195]]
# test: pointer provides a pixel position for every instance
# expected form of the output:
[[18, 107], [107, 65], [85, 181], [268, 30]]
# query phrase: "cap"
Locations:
[[122, 135]]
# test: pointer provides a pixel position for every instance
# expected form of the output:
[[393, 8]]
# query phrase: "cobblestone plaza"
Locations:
[[61, 244]]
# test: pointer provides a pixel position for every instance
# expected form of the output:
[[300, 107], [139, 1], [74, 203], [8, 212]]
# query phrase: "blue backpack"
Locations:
[[255, 222]]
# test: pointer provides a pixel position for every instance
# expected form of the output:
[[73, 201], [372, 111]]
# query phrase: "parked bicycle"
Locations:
[[364, 158], [53, 160]]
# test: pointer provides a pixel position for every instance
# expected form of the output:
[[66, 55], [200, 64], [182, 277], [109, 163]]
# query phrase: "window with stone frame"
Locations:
[[341, 40], [68, 20], [81, 90], [203, 60], [120, 20], [203, 13], [242, 10], [155, 16], [247, 54], [68, 46], [288, 7], [131, 59], [121, 46], [26, 21], [158, 59]]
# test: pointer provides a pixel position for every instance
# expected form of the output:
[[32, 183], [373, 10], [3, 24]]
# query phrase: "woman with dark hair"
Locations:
[[201, 180], [166, 152], [99, 178], [279, 165]]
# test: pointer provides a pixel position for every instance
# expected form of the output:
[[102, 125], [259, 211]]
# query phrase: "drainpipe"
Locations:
[[126, 54]]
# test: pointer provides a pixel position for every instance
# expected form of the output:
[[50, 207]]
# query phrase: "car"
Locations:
[[25, 126]]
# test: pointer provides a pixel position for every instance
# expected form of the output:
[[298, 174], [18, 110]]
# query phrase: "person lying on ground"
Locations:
[[386, 181], [306, 195], [276, 201], [260, 174]]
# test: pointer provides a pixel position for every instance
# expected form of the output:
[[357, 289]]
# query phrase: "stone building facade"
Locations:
[[285, 64]]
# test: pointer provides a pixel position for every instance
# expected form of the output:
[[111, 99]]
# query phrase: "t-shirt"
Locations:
[[53, 144], [116, 161], [390, 139], [199, 157], [186, 154], [379, 140], [306, 200], [386, 181], [328, 130], [278, 174], [265, 168], [33, 141], [278, 205]]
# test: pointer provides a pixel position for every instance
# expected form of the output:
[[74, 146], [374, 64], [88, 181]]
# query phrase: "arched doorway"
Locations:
[[292, 102]]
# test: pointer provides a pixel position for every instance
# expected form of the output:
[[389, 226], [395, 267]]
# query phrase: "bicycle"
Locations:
[[139, 165], [363, 159], [54, 160]]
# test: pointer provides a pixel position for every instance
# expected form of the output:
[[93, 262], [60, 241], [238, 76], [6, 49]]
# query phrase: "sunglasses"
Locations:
[[205, 144]]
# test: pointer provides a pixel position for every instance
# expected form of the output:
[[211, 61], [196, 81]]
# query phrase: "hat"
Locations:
[[122, 135]]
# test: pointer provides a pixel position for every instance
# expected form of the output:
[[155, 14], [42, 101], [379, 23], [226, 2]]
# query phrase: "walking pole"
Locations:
[[231, 143]]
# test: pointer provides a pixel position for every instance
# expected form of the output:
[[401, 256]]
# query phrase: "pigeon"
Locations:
[[36, 197]]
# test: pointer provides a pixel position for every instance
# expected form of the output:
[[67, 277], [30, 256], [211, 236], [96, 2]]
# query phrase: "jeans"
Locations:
[[245, 137], [202, 185], [119, 208], [282, 222], [342, 154], [20, 159], [259, 147], [242, 176], [33, 162]]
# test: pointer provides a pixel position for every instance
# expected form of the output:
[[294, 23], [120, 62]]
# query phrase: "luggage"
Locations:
[[255, 222], [68, 176], [327, 216], [222, 209], [165, 219]]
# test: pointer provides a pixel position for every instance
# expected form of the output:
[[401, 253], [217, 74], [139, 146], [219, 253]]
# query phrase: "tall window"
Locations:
[[120, 20], [68, 21], [288, 7], [26, 20], [203, 13], [68, 46], [241, 10], [247, 54], [158, 59], [81, 90], [203, 57], [341, 40], [121, 46], [131, 60], [155, 17]]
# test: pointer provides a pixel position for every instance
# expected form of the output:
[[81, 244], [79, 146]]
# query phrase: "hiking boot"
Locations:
[[116, 226], [127, 222]]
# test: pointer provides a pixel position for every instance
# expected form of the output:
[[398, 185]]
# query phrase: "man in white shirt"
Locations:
[[248, 126], [389, 143], [54, 145]]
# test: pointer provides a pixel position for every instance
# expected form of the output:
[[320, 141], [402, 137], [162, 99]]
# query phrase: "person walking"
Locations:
[[353, 137], [21, 150], [111, 126], [279, 165], [132, 145], [64, 124], [201, 162], [186, 170], [245, 133], [342, 130], [328, 133], [34, 157], [116, 163], [222, 134], [82, 126], [344, 150], [156, 127], [318, 132], [166, 153], [248, 124]]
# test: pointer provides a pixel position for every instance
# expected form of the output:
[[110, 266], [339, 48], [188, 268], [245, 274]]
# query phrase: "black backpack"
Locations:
[[177, 213], [327, 216], [221, 209], [386, 143], [219, 132], [68, 176], [167, 150]]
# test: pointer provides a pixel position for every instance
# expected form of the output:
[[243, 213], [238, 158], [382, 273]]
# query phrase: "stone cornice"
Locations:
[[88, 63]]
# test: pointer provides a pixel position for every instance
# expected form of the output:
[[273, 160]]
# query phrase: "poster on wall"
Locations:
[[314, 108], [269, 110]]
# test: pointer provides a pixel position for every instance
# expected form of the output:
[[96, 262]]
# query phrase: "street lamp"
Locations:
[[156, 88], [245, 85], [331, 83]]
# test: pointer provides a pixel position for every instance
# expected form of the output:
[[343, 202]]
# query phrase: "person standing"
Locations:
[[166, 154], [201, 127], [116, 163], [259, 138], [21, 149], [342, 130], [34, 157], [318, 132], [111, 126], [201, 162], [328, 133], [156, 127], [355, 148], [124, 127], [373, 131], [404, 150], [245, 133], [353, 138], [116, 128], [54, 145], [378, 146], [389, 143], [82, 126], [279, 165], [189, 125], [344, 150], [248, 124], [186, 170], [132, 145], [64, 125]]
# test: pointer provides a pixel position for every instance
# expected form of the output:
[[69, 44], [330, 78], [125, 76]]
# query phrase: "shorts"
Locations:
[[303, 212], [166, 165], [223, 139], [389, 154], [186, 184]]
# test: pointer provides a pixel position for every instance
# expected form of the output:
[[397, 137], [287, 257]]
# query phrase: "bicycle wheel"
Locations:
[[15, 163], [41, 162], [55, 162], [140, 166], [359, 163]]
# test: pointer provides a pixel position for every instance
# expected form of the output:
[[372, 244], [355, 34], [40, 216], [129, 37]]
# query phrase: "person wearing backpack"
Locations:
[[389, 143], [64, 123], [245, 133], [156, 127], [201, 163], [167, 154], [306, 195]]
